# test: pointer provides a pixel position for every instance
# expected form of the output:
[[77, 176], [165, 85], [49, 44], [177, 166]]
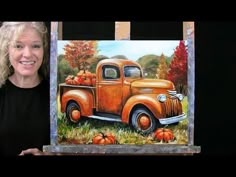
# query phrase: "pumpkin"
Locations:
[[86, 82], [103, 138], [72, 80], [86, 78], [164, 134]]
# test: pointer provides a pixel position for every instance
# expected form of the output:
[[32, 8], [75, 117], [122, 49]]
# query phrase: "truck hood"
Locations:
[[151, 85]]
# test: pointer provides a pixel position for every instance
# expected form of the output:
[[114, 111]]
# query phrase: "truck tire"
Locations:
[[143, 121], [73, 112]]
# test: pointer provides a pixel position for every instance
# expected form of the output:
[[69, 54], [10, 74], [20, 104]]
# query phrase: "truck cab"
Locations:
[[122, 94]]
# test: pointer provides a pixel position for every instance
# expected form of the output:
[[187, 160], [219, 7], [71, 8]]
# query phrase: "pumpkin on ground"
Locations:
[[104, 138], [164, 134]]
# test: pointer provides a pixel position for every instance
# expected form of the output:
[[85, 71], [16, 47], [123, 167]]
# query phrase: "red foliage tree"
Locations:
[[77, 53], [178, 68]]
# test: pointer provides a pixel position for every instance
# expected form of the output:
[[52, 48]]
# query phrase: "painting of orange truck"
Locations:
[[120, 90]]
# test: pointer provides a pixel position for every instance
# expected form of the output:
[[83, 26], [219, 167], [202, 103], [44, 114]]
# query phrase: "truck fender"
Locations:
[[149, 101], [84, 98]]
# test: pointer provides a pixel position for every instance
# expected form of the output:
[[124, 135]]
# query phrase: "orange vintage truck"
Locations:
[[122, 94]]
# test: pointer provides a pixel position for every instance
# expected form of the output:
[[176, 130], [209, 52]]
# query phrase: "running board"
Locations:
[[104, 118]]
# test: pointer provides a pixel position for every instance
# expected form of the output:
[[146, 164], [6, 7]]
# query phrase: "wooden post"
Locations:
[[188, 34], [53, 82], [60, 30], [122, 30]]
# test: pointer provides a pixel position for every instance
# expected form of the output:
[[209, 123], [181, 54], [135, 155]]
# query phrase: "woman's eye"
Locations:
[[36, 46], [18, 46]]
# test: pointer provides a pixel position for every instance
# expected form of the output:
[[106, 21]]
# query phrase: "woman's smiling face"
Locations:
[[26, 53]]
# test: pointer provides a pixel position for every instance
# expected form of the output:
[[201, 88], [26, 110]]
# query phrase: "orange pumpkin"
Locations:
[[164, 134], [72, 80], [103, 138], [78, 80], [86, 82]]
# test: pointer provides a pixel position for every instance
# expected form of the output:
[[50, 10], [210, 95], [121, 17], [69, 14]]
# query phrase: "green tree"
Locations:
[[119, 57], [64, 69], [95, 61], [149, 64]]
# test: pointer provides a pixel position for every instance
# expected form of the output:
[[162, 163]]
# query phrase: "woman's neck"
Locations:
[[25, 82]]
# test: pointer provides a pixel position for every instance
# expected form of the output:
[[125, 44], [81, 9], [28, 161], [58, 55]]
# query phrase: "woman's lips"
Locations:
[[27, 62]]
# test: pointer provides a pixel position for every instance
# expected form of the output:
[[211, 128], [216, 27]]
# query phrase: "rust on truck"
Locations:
[[122, 94]]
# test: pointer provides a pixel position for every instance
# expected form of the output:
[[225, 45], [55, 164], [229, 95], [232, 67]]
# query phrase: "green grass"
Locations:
[[86, 129]]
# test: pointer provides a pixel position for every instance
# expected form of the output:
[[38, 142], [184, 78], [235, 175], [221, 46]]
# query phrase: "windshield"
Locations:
[[132, 72]]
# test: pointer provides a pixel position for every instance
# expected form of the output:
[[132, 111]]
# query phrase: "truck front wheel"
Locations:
[[143, 120], [73, 112]]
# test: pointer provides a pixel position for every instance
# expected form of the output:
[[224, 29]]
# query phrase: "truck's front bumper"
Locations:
[[172, 120]]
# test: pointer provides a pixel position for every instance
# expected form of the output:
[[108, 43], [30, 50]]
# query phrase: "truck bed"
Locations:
[[75, 86], [63, 87]]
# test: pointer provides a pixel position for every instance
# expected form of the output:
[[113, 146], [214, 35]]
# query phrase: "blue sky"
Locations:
[[132, 49]]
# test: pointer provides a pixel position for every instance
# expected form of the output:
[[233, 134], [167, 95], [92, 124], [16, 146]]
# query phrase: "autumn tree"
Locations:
[[79, 53], [178, 68], [162, 69]]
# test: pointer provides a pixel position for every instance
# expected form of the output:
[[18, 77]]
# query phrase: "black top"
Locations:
[[24, 118]]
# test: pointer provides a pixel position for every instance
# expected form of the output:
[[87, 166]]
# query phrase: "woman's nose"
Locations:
[[27, 52]]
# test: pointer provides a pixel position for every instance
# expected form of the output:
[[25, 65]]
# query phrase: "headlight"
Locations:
[[161, 98], [180, 96]]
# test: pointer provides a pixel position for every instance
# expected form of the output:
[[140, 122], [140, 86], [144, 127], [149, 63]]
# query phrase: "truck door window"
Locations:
[[110, 72], [132, 72]]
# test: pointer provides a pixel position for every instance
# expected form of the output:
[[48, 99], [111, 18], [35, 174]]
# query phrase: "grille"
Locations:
[[172, 107]]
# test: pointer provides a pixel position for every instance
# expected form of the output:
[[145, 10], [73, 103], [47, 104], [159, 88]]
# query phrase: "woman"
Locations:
[[24, 88]]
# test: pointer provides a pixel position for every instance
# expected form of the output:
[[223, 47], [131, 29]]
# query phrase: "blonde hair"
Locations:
[[10, 31]]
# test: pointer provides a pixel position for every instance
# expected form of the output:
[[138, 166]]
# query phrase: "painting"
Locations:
[[122, 96], [122, 92]]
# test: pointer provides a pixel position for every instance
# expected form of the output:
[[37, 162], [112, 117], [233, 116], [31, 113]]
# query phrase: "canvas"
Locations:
[[122, 96]]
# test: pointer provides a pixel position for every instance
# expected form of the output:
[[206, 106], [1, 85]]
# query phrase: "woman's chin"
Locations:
[[27, 74]]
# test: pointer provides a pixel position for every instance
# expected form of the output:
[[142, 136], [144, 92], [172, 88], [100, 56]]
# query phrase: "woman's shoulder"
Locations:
[[2, 92], [4, 85], [44, 87]]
